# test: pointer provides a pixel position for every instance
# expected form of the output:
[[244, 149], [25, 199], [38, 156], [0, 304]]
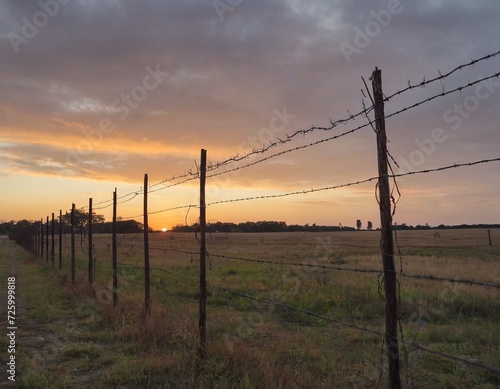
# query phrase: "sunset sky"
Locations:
[[94, 94]]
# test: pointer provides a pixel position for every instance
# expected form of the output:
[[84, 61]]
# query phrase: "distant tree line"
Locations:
[[260, 226], [19, 230], [404, 226]]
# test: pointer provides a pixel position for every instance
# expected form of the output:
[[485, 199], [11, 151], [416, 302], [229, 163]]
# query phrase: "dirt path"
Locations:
[[8, 268], [47, 346]]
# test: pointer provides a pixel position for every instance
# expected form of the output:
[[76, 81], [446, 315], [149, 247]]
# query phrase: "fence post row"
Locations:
[[202, 348], [391, 302]]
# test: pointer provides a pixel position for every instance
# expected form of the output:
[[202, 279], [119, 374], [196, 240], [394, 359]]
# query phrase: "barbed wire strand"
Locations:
[[370, 123], [359, 328], [326, 188], [237, 158], [441, 76]]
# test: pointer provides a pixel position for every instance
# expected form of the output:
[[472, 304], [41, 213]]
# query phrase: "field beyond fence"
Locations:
[[261, 343]]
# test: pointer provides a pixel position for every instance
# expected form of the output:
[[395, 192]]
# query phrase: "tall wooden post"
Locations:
[[489, 236], [60, 238], [47, 240], [390, 287], [147, 295], [73, 243], [115, 270], [53, 253], [202, 348], [90, 241]]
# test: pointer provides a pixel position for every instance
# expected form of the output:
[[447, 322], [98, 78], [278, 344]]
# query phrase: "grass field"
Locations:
[[71, 340]]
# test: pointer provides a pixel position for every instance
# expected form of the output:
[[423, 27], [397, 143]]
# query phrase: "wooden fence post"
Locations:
[[53, 253], [47, 239], [390, 286], [489, 236], [115, 270], [147, 295], [73, 243], [90, 241], [33, 239], [41, 238], [60, 238], [202, 348]]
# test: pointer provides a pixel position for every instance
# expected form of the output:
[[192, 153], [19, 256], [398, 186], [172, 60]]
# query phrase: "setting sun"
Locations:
[[164, 229]]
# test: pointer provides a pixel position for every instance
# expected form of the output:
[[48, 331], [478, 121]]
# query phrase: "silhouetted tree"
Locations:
[[358, 224], [82, 217]]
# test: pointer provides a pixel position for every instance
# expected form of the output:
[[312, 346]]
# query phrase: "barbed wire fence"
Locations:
[[101, 242]]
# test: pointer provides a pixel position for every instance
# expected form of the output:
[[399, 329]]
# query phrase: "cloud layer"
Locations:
[[109, 91]]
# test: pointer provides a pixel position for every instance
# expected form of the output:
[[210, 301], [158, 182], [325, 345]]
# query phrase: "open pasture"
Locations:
[[252, 343], [284, 310]]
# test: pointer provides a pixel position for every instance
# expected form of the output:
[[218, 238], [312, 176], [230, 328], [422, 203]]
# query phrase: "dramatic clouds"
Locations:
[[107, 91]]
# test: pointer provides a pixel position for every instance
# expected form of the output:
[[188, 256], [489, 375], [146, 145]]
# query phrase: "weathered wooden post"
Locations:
[[115, 270], [47, 239], [73, 243], [147, 293], [390, 284], [90, 241], [53, 253], [60, 238], [202, 348]]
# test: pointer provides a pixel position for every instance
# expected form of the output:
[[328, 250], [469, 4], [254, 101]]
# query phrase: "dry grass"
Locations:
[[257, 345]]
